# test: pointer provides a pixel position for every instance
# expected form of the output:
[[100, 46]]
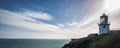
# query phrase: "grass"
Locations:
[[109, 40]]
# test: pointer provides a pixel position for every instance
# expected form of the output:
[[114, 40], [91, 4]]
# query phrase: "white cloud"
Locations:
[[71, 23], [40, 15], [61, 25], [19, 19], [71, 29]]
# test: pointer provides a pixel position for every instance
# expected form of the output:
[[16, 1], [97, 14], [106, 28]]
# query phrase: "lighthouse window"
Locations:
[[104, 26]]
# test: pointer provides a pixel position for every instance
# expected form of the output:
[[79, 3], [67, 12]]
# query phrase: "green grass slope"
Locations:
[[110, 40]]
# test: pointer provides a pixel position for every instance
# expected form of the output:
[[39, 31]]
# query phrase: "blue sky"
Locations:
[[53, 19]]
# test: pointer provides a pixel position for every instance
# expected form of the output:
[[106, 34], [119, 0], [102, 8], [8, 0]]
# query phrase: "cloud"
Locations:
[[82, 21], [88, 23], [40, 15], [26, 19], [19, 19], [114, 19], [78, 26]]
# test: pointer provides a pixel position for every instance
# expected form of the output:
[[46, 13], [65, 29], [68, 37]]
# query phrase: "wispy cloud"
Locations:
[[19, 19], [26, 19], [82, 19]]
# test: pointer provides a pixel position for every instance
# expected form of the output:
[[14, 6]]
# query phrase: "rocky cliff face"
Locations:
[[110, 40]]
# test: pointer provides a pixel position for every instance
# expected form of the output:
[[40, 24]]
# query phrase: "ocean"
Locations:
[[32, 43]]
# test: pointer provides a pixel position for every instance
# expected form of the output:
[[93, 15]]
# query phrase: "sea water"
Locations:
[[32, 43]]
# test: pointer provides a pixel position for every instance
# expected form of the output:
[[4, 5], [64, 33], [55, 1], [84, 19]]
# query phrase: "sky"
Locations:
[[55, 19]]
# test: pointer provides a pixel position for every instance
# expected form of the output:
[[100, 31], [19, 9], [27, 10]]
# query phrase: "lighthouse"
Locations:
[[103, 25]]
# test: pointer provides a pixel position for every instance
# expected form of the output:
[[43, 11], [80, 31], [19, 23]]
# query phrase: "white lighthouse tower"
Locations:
[[103, 25]]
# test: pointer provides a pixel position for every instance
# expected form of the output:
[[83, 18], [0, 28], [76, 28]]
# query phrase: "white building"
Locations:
[[104, 25]]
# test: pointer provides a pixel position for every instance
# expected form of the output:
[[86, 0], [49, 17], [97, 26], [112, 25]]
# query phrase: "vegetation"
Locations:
[[110, 40]]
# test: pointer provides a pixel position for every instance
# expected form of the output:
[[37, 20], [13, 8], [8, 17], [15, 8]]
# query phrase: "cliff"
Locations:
[[109, 40]]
